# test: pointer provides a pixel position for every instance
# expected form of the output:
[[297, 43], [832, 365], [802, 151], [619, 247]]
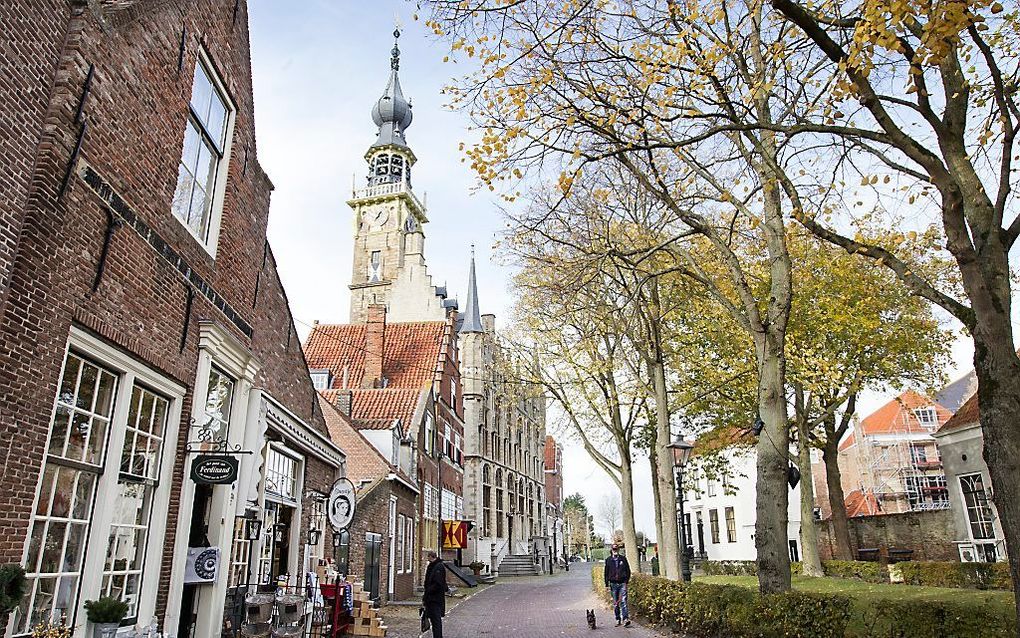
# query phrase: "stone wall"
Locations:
[[930, 534]]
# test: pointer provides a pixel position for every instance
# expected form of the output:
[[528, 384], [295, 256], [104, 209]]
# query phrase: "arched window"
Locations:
[[486, 499], [499, 502]]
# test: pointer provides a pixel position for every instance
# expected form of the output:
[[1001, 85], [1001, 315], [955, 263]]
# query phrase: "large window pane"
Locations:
[[202, 151], [139, 474]]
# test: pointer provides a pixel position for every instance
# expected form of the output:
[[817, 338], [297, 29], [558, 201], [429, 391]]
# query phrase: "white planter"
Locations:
[[105, 629]]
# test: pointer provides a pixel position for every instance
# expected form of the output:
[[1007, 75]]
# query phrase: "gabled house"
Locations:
[[890, 463], [384, 516], [979, 536]]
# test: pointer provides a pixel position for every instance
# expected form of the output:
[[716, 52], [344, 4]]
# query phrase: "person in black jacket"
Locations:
[[434, 598], [617, 575]]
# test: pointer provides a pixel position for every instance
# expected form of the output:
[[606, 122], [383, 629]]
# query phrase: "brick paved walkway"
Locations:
[[532, 607]]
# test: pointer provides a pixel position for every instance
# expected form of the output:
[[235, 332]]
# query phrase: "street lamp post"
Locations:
[[681, 455]]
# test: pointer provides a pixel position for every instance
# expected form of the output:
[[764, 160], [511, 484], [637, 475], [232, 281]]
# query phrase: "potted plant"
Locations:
[[105, 615], [477, 567], [12, 588]]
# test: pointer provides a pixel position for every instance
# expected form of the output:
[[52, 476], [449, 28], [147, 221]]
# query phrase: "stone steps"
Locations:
[[518, 565]]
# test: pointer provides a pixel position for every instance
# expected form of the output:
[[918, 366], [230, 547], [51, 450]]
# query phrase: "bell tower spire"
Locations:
[[389, 219], [389, 158]]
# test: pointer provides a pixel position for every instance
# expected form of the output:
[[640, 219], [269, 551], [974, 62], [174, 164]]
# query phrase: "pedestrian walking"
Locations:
[[617, 575], [433, 601]]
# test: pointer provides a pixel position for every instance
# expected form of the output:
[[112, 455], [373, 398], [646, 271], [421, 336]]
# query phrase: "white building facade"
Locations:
[[720, 510]]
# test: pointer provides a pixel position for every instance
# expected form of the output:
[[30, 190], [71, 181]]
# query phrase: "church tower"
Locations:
[[389, 238]]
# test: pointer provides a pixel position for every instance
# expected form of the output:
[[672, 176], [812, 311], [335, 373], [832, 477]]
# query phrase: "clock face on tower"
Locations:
[[378, 217]]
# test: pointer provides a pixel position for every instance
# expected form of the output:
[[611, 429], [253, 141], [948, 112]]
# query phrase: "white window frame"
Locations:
[[211, 241], [930, 419], [129, 372], [400, 539]]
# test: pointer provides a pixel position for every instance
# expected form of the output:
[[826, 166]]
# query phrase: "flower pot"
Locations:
[[105, 629], [477, 571]]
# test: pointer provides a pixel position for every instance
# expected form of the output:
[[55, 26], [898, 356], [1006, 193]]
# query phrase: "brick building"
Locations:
[[399, 384], [142, 321], [554, 496], [386, 512]]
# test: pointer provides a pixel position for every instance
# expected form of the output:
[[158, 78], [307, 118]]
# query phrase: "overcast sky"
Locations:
[[318, 67]]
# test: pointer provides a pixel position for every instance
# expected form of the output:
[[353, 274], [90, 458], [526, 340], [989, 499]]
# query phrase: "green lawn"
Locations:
[[866, 594]]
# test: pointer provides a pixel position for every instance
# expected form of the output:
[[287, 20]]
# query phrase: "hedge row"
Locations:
[[702, 610], [937, 619], [860, 570], [960, 575]]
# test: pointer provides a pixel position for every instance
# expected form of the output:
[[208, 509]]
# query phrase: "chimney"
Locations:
[[344, 402], [375, 338]]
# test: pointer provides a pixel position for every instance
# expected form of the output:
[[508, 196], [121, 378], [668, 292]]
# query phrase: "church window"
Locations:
[[375, 266]]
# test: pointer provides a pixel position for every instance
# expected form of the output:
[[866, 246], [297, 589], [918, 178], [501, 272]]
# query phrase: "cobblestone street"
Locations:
[[525, 607]]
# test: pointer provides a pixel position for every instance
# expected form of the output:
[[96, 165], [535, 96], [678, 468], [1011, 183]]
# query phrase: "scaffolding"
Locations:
[[903, 465]]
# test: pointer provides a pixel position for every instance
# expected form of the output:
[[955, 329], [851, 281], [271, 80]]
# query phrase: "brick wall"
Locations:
[[372, 516], [135, 114], [930, 534]]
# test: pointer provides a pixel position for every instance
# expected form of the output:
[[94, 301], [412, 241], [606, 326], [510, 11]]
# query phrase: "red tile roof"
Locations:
[[897, 417], [859, 503], [968, 414], [364, 462], [411, 353], [378, 408]]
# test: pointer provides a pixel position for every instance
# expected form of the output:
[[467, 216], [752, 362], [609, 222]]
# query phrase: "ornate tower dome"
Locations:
[[392, 112]]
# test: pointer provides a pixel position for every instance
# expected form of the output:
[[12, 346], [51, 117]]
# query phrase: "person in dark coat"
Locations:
[[434, 598], [617, 575]]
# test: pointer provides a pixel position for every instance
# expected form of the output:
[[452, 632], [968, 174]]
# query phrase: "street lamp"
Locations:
[[313, 536], [681, 455]]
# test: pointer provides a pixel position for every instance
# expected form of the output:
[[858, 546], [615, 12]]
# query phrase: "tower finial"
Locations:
[[395, 53]]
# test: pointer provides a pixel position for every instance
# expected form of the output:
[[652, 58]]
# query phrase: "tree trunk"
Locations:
[[837, 501], [656, 497], [669, 543], [812, 561], [627, 502], [772, 498], [998, 373]]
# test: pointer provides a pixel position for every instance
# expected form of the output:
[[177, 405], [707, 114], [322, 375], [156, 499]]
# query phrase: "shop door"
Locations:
[[373, 549]]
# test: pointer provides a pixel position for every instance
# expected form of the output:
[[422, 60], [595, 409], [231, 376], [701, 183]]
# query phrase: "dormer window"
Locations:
[[927, 417], [321, 379]]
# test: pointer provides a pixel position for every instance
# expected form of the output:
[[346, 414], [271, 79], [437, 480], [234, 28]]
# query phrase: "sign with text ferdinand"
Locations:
[[209, 469]]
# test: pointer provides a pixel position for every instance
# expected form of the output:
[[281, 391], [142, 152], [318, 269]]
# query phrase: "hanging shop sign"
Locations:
[[455, 534], [210, 469], [340, 506]]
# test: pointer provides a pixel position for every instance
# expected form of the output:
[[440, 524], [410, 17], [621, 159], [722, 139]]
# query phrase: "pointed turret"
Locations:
[[472, 318]]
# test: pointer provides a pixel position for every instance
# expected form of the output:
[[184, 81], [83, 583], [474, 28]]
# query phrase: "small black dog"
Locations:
[[591, 618]]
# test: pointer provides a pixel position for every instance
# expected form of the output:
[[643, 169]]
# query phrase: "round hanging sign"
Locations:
[[340, 506]]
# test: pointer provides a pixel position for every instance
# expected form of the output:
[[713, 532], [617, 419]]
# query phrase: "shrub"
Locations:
[[960, 575], [105, 610], [938, 619], [858, 569], [12, 587], [703, 610]]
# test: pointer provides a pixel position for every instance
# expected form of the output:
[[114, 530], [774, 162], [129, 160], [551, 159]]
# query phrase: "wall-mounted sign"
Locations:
[[212, 469], [340, 506]]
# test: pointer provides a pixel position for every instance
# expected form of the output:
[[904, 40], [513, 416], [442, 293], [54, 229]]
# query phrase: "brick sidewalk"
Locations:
[[526, 607]]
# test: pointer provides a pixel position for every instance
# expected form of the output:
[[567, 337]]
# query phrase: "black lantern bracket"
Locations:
[[208, 443]]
